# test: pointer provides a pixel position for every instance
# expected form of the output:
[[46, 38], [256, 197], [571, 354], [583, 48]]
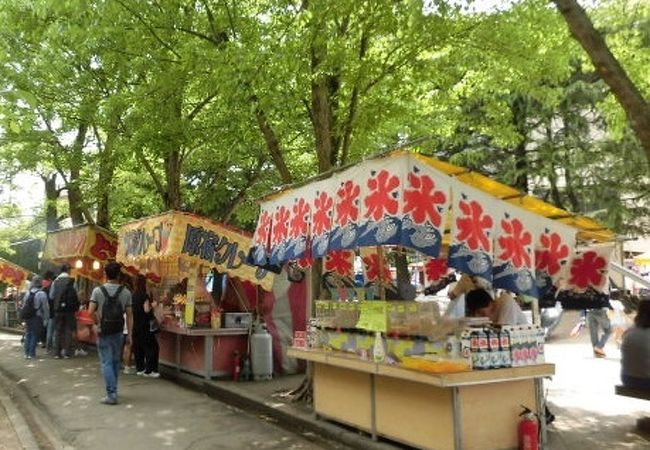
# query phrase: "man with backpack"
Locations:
[[65, 303], [34, 313], [108, 303]]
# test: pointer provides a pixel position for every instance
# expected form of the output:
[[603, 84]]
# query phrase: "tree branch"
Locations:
[[626, 92], [151, 29]]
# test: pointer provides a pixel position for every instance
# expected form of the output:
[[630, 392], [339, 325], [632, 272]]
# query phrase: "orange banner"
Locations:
[[13, 274], [85, 247], [83, 241]]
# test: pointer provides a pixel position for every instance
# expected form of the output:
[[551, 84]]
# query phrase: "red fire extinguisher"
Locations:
[[236, 366], [528, 430]]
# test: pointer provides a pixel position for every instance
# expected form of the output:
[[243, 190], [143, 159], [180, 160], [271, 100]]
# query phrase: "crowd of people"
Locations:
[[123, 313]]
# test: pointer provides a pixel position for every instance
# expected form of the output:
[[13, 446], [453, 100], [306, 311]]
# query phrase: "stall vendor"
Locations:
[[502, 311]]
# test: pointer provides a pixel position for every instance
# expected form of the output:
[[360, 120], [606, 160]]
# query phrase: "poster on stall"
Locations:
[[373, 316]]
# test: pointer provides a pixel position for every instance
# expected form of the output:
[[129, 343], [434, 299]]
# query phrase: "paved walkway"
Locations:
[[60, 398], [158, 412]]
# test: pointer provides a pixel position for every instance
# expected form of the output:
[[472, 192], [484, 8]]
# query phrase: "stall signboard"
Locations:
[[411, 200], [189, 238], [83, 247], [13, 274]]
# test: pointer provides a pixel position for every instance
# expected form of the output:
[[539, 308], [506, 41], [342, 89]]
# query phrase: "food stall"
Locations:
[[86, 248], [15, 277], [196, 268], [399, 369]]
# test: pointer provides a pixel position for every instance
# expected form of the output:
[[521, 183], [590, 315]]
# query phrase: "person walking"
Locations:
[[600, 329], [35, 312], [65, 303], [48, 277], [108, 303]]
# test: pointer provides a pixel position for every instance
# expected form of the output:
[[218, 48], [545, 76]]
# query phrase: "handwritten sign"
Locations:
[[373, 316]]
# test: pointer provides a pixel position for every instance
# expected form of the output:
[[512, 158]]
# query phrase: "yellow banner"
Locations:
[[189, 237], [13, 274]]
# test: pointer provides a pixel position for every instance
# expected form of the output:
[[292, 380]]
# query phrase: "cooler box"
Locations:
[[238, 320]]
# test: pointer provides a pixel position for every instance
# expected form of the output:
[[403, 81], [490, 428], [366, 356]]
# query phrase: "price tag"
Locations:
[[373, 316]]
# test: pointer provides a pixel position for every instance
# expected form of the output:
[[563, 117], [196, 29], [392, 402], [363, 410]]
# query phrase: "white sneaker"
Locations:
[[128, 370], [141, 373], [80, 352], [152, 375]]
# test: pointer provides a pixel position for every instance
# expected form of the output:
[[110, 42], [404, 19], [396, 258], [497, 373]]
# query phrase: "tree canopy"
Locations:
[[128, 108]]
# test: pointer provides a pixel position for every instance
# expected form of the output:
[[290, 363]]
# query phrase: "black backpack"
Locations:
[[28, 310], [112, 321], [66, 299]]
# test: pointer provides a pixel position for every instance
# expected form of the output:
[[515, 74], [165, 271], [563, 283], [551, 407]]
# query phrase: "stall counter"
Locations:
[[185, 349], [465, 410]]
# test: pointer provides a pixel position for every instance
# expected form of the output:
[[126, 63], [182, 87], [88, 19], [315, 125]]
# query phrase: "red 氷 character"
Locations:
[[339, 261], [421, 200], [552, 253], [514, 243], [372, 268], [435, 268], [587, 270], [298, 225], [383, 196], [473, 225], [280, 222], [322, 219], [347, 209], [263, 228]]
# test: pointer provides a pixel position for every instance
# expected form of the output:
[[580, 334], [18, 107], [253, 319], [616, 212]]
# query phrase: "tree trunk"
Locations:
[[75, 196], [106, 171], [519, 108], [272, 143], [321, 114], [174, 156], [608, 67], [173, 178], [51, 197]]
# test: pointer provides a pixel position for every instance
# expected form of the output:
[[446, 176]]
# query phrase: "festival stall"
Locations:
[[196, 268], [397, 368], [86, 248], [12, 274], [15, 277]]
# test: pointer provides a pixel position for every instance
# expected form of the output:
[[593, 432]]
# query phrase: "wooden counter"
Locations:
[[203, 351], [466, 410]]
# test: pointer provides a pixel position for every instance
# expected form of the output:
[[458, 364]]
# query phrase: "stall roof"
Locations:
[[85, 247], [588, 229], [13, 274], [184, 237]]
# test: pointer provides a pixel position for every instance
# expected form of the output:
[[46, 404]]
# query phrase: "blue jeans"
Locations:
[[32, 332], [597, 319], [110, 357], [49, 339]]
